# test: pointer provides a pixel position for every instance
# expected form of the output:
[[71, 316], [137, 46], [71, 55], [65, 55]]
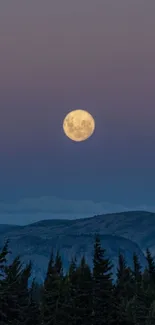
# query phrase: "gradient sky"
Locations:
[[59, 55]]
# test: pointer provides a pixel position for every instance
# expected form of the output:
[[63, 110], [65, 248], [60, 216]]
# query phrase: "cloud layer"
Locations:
[[30, 210]]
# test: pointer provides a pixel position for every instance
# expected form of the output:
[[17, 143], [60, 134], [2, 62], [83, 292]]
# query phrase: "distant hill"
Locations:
[[138, 226], [127, 232]]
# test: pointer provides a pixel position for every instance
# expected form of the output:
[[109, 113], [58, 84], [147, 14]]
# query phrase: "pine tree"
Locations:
[[52, 293], [149, 277], [124, 281], [102, 286], [72, 292], [11, 288], [137, 274], [58, 264], [72, 269], [3, 303], [62, 286], [33, 307], [124, 289], [3, 259], [83, 299], [151, 266], [23, 294], [47, 293]]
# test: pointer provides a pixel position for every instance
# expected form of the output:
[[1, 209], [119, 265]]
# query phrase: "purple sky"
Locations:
[[56, 56]]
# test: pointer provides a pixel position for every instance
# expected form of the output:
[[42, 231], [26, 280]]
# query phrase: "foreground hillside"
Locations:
[[82, 296], [127, 232]]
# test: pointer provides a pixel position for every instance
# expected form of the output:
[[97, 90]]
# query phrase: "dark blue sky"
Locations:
[[92, 55]]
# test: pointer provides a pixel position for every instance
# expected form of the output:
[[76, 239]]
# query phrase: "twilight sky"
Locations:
[[59, 55]]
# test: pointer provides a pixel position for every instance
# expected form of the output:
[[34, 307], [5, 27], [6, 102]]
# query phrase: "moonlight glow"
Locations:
[[79, 125]]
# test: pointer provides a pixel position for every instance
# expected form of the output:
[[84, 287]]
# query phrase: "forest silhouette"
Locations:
[[81, 296]]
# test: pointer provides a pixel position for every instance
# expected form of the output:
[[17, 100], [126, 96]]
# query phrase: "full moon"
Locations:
[[78, 125]]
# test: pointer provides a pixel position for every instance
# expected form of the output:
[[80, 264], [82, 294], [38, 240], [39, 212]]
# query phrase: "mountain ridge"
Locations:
[[129, 232]]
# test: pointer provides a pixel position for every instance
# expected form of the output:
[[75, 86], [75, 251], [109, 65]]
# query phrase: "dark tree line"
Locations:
[[80, 297]]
